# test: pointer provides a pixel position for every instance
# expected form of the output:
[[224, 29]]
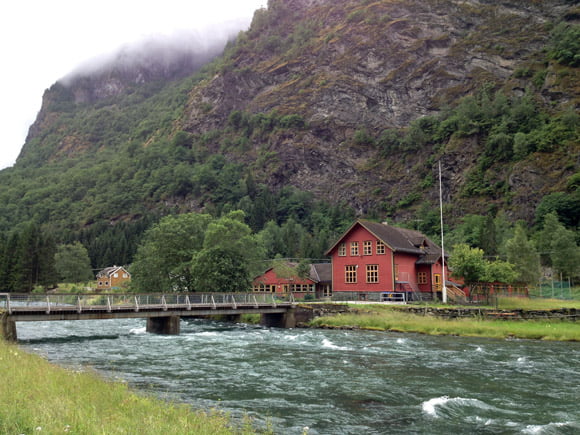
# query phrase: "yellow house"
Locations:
[[112, 278]]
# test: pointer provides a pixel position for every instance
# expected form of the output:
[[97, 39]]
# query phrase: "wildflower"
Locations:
[[38, 429]]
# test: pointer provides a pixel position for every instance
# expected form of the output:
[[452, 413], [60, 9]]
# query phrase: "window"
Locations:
[[342, 250], [353, 248], [380, 248], [372, 273], [422, 278], [367, 247], [261, 288], [125, 275], [396, 272], [116, 275], [350, 274]]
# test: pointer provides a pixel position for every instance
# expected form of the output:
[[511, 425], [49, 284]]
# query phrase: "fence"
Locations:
[[553, 290]]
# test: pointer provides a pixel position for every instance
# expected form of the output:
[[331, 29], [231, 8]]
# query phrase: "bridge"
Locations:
[[163, 311]]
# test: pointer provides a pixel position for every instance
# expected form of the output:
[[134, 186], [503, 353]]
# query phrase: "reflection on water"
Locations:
[[334, 382]]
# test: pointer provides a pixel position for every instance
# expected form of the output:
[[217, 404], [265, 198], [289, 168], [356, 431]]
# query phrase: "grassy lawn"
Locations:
[[536, 304], [38, 397], [391, 318]]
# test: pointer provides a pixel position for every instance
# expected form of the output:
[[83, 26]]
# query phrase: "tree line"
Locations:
[[31, 259], [203, 252]]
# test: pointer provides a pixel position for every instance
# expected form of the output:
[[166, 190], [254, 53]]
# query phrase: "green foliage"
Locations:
[[558, 247], [163, 259], [565, 205], [196, 252], [468, 263], [219, 270], [523, 255], [27, 258], [72, 263], [362, 137], [565, 44], [500, 271]]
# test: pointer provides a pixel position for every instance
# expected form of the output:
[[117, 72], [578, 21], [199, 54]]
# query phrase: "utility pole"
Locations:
[[444, 289]]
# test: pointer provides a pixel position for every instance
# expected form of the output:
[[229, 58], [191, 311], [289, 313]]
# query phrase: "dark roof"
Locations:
[[108, 271], [321, 272], [399, 240]]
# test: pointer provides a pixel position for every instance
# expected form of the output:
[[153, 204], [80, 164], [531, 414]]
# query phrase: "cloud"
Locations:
[[44, 41]]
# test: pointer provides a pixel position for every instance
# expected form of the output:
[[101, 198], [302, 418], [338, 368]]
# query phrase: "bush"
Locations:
[[565, 44]]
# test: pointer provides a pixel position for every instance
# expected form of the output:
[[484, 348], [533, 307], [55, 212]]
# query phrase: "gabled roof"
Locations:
[[399, 240], [319, 272], [108, 271]]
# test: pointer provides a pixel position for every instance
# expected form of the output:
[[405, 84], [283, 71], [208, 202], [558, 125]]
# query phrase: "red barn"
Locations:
[[377, 261]]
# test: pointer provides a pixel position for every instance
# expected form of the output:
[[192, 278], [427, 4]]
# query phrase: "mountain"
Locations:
[[336, 107]]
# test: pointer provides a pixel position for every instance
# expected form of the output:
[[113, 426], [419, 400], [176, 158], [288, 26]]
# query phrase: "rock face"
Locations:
[[349, 65], [349, 69]]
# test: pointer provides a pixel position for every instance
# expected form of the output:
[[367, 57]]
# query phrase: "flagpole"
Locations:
[[444, 290]]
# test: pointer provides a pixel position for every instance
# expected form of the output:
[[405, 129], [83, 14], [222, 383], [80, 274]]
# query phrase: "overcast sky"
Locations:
[[42, 41]]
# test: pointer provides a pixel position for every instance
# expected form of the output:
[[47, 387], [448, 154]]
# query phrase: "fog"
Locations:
[[44, 42]]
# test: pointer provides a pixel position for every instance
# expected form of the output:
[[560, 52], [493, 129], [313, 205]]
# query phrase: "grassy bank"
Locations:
[[536, 304], [38, 397], [385, 318]]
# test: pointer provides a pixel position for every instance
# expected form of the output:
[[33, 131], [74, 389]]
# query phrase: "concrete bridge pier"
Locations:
[[8, 328], [279, 320], [169, 325]]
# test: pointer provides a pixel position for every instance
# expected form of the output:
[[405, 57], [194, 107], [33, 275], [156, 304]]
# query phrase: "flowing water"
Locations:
[[333, 382]]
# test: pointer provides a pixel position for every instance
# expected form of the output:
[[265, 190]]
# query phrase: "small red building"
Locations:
[[286, 278], [377, 261]]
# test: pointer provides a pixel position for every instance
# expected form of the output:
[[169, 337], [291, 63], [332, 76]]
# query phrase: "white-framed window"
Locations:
[[354, 249], [342, 250], [380, 248], [368, 247]]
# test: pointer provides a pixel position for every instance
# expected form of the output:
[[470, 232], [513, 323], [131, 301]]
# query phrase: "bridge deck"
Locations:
[[33, 307], [153, 306]]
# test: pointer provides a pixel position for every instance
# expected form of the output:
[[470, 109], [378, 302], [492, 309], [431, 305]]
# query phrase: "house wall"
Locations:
[[122, 277], [427, 287], [113, 281], [405, 264], [360, 261], [281, 285]]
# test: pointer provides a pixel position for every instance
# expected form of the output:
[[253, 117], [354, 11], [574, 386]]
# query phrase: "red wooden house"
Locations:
[[285, 278], [377, 261]]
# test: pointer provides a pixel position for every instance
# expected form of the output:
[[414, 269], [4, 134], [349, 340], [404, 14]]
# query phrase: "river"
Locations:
[[330, 381]]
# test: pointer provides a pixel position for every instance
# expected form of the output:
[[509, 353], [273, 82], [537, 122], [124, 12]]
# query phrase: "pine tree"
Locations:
[[523, 255]]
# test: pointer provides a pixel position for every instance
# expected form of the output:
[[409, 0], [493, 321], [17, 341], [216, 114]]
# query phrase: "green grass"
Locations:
[[37, 397], [390, 319], [536, 304]]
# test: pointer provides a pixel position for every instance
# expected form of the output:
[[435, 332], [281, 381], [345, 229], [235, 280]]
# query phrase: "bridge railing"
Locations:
[[92, 302]]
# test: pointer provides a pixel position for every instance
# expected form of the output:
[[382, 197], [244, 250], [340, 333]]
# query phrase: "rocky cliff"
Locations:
[[354, 101]]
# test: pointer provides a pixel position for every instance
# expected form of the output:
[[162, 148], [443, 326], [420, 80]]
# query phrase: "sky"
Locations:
[[43, 41]]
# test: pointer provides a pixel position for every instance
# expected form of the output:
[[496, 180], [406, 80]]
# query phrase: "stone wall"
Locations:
[[452, 313]]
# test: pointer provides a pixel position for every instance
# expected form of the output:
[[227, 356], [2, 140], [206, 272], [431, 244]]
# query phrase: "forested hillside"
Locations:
[[321, 112]]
